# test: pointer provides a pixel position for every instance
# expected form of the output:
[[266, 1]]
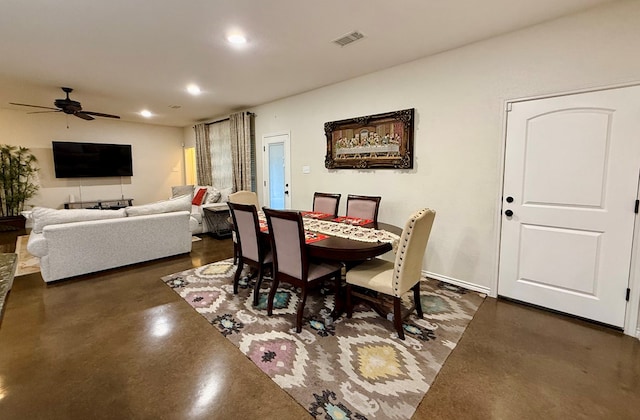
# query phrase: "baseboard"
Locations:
[[638, 333], [461, 283]]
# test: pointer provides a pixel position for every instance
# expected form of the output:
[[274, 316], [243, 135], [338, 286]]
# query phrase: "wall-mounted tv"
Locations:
[[84, 160]]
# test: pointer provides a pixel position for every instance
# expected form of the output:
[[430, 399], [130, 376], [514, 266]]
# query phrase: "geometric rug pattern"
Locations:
[[344, 369], [27, 263]]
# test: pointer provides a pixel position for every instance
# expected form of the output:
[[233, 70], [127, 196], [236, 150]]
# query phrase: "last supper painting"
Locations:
[[371, 142]]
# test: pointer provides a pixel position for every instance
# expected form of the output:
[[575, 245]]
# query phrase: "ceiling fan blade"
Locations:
[[33, 106], [100, 114], [84, 116], [43, 112]]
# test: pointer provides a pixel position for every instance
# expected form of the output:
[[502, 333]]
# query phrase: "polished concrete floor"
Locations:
[[122, 345]]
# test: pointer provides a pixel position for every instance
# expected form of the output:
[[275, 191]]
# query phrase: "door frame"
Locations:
[[287, 168], [631, 324]]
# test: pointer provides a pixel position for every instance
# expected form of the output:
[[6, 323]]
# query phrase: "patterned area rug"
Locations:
[[348, 369], [27, 263]]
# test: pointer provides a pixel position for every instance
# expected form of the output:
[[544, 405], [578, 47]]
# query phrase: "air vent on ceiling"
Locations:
[[348, 38]]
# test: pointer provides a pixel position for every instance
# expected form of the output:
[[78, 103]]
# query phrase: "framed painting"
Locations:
[[374, 141]]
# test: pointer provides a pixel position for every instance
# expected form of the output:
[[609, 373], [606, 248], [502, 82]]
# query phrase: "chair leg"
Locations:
[[272, 294], [235, 253], [303, 300], [349, 302], [236, 279], [416, 299], [256, 288], [397, 316]]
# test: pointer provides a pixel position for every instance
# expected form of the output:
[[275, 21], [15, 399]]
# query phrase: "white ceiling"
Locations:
[[121, 56]]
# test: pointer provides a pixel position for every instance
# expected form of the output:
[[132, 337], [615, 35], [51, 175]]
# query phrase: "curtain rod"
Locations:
[[227, 119]]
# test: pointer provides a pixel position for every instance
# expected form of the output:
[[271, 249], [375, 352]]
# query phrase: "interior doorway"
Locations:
[[276, 170]]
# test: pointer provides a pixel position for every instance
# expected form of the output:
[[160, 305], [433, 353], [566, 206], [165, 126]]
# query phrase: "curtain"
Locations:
[[240, 125], [203, 154], [221, 162]]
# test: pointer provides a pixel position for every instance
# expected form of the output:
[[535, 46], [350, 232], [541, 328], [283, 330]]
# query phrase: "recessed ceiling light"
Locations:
[[193, 89], [146, 113], [237, 39]]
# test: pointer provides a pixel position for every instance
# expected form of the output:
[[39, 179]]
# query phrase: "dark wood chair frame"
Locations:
[[378, 301], [376, 199], [328, 195], [263, 250], [302, 282]]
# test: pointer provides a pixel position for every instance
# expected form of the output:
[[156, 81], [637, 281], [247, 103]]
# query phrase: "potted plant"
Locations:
[[18, 183]]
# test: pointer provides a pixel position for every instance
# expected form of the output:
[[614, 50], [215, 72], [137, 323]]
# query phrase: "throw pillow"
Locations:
[[224, 194], [181, 190], [213, 195], [43, 216], [182, 203], [199, 197]]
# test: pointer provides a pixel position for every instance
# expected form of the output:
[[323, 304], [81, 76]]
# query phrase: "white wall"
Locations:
[[157, 156], [459, 98]]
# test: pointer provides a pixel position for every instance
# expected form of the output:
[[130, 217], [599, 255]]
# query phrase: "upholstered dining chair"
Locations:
[[290, 261], [251, 248], [395, 279], [326, 203], [242, 197], [363, 206]]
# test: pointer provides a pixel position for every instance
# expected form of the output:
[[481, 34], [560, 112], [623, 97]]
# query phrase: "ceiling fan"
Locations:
[[68, 106]]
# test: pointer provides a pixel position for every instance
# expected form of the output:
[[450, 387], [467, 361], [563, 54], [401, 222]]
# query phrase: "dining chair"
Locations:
[[395, 279], [290, 260], [242, 197], [326, 203], [251, 248], [363, 206]]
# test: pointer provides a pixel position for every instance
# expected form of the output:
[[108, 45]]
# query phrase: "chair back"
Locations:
[[363, 206], [326, 203], [286, 231], [247, 228], [244, 197], [413, 242]]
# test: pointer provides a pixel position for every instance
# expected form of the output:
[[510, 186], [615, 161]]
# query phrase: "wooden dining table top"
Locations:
[[337, 248], [344, 249]]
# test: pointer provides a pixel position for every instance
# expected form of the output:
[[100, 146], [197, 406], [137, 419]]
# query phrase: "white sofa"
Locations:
[[74, 242], [215, 199]]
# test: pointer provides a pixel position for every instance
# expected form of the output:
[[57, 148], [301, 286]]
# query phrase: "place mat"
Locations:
[[311, 237], [356, 221], [316, 215]]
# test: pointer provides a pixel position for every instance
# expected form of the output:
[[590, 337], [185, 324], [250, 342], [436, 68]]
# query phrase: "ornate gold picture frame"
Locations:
[[374, 141]]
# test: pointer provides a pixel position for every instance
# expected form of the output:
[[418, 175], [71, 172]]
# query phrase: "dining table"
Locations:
[[347, 250], [341, 248]]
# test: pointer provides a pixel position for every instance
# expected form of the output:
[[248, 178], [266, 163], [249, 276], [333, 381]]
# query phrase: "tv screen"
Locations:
[[84, 160]]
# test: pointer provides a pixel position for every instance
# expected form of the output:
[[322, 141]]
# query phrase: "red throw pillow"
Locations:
[[197, 199]]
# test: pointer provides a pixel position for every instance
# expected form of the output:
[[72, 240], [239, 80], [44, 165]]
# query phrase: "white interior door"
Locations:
[[571, 180], [276, 171]]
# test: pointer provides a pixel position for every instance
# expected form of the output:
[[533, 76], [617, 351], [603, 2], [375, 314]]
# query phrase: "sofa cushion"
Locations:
[[181, 203], [181, 190], [43, 216], [198, 198]]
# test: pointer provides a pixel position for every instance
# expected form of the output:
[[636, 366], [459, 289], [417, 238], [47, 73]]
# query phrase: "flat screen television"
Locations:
[[84, 160]]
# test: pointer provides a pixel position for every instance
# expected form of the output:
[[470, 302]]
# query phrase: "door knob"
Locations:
[[508, 213], [286, 192], [509, 199]]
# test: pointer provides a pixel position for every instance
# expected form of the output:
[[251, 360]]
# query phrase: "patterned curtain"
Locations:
[[240, 125], [203, 154], [221, 164]]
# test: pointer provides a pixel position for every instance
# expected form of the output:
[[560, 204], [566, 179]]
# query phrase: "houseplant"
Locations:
[[18, 183]]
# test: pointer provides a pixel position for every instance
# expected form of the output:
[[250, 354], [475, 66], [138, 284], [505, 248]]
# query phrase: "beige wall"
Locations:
[[459, 98], [157, 156]]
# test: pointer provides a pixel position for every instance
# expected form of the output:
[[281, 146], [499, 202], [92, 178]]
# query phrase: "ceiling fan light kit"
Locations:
[[70, 107]]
